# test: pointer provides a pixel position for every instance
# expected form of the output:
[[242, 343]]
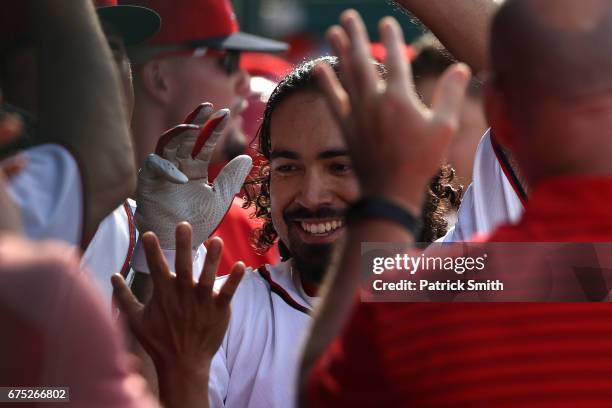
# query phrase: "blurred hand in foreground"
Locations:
[[183, 324], [396, 142]]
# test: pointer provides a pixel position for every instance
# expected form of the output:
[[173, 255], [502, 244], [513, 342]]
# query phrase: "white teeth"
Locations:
[[321, 228]]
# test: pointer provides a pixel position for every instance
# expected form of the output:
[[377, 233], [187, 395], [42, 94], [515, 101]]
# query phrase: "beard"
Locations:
[[310, 260]]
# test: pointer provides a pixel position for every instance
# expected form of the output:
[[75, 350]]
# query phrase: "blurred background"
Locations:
[[302, 23]]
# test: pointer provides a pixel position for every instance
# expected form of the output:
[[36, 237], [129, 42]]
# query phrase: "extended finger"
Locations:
[[335, 95], [126, 301], [205, 144], [364, 73], [341, 47], [449, 95], [183, 264], [168, 142], [200, 114], [224, 297], [158, 266], [214, 248], [399, 77]]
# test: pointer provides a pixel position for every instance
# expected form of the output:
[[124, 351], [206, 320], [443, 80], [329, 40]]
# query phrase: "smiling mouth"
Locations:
[[321, 228]]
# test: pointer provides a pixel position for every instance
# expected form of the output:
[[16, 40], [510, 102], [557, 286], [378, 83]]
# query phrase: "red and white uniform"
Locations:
[[110, 251], [257, 362], [493, 198], [115, 248]]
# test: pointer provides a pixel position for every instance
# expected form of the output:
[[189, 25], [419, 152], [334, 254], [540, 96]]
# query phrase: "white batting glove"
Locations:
[[173, 183]]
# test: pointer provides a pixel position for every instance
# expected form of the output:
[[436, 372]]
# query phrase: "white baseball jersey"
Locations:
[[48, 191], [492, 199], [256, 365], [110, 250], [115, 248]]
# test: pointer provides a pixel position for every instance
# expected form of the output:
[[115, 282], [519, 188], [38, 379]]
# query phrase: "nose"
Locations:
[[243, 83], [315, 192]]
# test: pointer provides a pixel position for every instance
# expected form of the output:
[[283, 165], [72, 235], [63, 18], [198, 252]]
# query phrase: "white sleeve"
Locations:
[[218, 378], [489, 201], [49, 194], [139, 262]]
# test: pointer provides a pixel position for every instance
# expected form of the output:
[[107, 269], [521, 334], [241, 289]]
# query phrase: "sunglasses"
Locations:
[[229, 61]]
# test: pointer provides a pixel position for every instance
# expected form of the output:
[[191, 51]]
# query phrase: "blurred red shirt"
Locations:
[[484, 354]]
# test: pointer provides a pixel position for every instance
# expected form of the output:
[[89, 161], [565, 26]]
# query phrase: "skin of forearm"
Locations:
[[462, 26], [340, 288], [80, 103], [183, 387]]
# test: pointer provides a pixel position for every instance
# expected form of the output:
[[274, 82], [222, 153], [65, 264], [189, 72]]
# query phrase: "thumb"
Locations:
[[155, 167], [126, 301], [230, 180]]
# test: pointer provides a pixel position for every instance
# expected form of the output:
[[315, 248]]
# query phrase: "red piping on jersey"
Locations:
[[282, 293], [128, 256], [509, 173]]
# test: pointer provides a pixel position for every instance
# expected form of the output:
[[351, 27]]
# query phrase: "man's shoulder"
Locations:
[[268, 287]]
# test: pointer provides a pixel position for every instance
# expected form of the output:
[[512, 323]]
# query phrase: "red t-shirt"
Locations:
[[235, 230], [484, 354]]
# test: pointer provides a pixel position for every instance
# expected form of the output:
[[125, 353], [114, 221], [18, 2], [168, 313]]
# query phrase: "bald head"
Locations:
[[553, 48]]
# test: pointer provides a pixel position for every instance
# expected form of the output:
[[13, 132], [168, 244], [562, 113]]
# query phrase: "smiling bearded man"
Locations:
[[301, 195]]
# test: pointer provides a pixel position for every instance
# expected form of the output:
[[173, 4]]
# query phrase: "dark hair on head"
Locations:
[[442, 195], [301, 79], [433, 59]]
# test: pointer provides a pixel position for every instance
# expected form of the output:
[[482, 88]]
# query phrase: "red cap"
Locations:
[[265, 65], [203, 23]]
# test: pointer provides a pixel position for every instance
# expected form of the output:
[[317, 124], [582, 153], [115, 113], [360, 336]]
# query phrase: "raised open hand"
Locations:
[[396, 142], [184, 322], [173, 183]]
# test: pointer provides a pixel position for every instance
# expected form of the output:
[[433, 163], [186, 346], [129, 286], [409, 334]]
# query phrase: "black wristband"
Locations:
[[376, 207]]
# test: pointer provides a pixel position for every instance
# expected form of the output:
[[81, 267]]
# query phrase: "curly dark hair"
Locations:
[[443, 194]]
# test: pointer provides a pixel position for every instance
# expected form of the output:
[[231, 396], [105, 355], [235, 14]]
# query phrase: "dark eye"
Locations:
[[286, 168], [340, 167]]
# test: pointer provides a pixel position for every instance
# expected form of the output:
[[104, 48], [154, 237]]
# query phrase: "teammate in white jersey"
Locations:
[[302, 196], [495, 197], [497, 194]]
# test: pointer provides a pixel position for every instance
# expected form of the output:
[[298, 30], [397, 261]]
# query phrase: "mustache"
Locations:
[[304, 213]]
